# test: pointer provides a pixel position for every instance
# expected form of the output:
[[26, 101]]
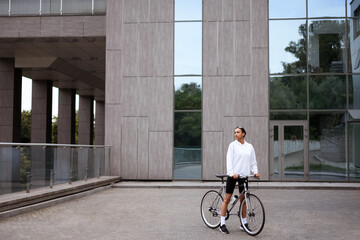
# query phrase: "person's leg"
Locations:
[[230, 186], [243, 210]]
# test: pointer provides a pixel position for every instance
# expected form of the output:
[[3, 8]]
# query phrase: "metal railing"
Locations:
[[52, 7], [34, 165]]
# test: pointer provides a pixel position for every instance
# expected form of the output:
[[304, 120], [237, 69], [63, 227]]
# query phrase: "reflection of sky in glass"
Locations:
[[328, 8], [179, 81], [281, 33], [287, 9], [188, 52], [188, 10]]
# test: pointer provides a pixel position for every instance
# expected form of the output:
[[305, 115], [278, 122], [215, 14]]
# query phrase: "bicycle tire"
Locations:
[[255, 215], [210, 208]]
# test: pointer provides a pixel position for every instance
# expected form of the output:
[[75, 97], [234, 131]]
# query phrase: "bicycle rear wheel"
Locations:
[[255, 214], [210, 208]]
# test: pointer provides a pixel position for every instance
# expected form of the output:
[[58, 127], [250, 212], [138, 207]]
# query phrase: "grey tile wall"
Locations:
[[235, 49]]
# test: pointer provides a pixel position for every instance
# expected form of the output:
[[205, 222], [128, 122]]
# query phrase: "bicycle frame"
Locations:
[[243, 192]]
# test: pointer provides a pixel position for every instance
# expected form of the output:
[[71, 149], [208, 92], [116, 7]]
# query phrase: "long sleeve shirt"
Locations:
[[240, 159]]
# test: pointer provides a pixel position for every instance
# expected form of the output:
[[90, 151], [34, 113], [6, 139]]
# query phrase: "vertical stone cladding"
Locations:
[[86, 120], [66, 116], [10, 101], [10, 122], [235, 80], [41, 111], [66, 134], [41, 116], [139, 88], [100, 123]]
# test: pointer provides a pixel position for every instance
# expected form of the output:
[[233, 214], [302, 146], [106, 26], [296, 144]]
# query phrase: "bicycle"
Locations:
[[211, 208]]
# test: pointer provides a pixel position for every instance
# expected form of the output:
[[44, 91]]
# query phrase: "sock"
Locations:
[[244, 221], [222, 219]]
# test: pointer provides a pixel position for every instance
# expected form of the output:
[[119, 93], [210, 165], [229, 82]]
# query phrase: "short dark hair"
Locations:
[[242, 129]]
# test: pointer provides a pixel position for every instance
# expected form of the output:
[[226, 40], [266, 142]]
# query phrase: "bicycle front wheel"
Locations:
[[255, 214], [210, 208]]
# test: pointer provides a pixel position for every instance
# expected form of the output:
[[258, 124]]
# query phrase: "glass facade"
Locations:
[[188, 89], [51, 7], [314, 75]]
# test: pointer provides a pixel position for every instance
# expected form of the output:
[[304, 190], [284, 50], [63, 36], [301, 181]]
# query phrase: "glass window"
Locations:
[[287, 9], [354, 92], [187, 145], [354, 150], [187, 93], [353, 8], [354, 42], [4, 8], [50, 7], [287, 46], [188, 10], [327, 146], [327, 92], [188, 52], [328, 8], [288, 92], [99, 6], [327, 48], [288, 116], [25, 7], [78, 6]]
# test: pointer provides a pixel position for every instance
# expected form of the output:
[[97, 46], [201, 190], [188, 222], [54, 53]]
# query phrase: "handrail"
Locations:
[[53, 145]]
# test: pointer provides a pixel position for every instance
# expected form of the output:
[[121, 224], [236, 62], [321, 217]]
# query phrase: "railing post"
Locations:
[[9, 11], [52, 178], [71, 176], [28, 181], [86, 173]]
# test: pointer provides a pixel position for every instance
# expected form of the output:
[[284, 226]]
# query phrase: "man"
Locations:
[[240, 159]]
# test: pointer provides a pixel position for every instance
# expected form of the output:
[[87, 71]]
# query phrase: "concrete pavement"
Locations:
[[171, 210]]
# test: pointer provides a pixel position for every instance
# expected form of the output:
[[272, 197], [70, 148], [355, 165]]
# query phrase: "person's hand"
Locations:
[[257, 175]]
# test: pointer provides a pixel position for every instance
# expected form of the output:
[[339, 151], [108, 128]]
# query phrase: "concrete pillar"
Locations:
[[86, 136], [41, 111], [41, 115], [66, 118], [99, 153], [10, 101], [86, 120], [65, 162], [100, 123], [10, 123]]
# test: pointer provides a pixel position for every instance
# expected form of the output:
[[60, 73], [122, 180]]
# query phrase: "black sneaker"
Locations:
[[247, 227], [223, 229]]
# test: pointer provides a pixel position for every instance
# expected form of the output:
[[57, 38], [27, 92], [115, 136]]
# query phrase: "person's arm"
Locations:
[[229, 164], [253, 163]]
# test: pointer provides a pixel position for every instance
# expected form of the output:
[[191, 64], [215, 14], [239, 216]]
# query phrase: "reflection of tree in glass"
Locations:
[[299, 51], [188, 97], [329, 92], [326, 41], [188, 124], [288, 93]]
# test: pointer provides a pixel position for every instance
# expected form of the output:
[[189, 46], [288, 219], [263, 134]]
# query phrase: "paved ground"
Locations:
[[174, 213]]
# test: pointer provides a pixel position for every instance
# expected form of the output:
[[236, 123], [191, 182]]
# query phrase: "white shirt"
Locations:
[[240, 159]]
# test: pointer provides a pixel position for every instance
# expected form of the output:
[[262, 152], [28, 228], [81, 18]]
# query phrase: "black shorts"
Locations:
[[231, 182]]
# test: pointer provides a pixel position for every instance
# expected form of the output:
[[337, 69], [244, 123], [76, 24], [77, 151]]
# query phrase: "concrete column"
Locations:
[[10, 123], [66, 135], [86, 136], [100, 123], [10, 101], [41, 113], [66, 118], [86, 120]]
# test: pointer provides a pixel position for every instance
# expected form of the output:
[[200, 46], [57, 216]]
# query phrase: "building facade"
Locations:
[[172, 78]]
